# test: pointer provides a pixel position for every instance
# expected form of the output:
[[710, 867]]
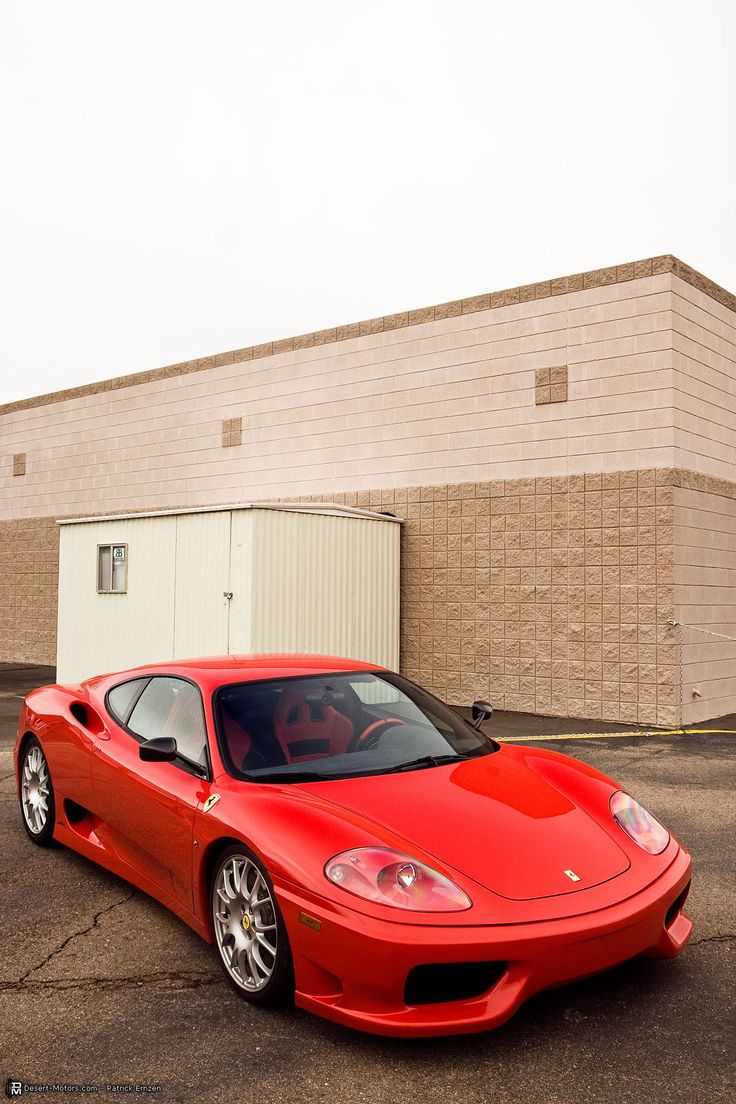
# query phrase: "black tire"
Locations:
[[265, 919], [35, 774]]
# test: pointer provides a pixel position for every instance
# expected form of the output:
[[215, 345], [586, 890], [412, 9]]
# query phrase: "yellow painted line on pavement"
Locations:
[[574, 736], [691, 731], [615, 735]]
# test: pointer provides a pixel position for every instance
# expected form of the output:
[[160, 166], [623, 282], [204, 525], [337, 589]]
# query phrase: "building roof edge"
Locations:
[[581, 281]]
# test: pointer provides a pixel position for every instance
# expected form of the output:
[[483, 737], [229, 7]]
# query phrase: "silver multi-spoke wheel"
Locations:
[[245, 926], [35, 790]]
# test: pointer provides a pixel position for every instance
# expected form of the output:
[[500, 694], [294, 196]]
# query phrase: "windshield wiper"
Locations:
[[286, 776], [428, 761], [314, 776]]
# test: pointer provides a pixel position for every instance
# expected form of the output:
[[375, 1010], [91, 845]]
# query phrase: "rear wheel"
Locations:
[[37, 794], [249, 930]]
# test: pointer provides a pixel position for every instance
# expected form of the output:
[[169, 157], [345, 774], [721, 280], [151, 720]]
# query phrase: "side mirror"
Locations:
[[162, 749], [482, 711]]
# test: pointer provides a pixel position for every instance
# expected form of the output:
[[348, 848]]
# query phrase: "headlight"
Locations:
[[392, 878], [643, 828]]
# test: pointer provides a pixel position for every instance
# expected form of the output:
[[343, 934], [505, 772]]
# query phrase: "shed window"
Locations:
[[112, 568]]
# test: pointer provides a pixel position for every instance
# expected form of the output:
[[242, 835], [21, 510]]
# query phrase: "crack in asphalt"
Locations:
[[24, 981], [645, 756], [725, 937], [173, 979]]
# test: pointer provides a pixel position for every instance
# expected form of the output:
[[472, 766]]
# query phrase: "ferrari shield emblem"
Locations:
[[210, 802], [570, 873]]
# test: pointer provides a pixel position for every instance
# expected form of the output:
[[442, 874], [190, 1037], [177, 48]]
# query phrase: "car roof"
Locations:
[[219, 670]]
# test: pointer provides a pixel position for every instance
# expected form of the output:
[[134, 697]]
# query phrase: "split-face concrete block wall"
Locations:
[[563, 455], [29, 570], [549, 595]]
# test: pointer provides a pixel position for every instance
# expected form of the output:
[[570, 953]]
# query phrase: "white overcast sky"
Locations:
[[180, 178]]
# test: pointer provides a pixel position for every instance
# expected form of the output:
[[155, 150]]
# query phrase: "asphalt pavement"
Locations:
[[100, 986]]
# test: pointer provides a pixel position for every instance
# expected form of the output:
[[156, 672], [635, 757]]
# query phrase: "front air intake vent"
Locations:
[[676, 907], [451, 981]]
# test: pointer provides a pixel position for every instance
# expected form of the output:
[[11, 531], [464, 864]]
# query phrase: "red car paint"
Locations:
[[504, 828]]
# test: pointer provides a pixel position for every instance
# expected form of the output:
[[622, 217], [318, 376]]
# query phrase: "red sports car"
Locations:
[[348, 841]]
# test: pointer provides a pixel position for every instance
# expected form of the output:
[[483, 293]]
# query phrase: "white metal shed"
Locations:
[[275, 577]]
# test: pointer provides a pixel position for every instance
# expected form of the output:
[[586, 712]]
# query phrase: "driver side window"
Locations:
[[172, 707]]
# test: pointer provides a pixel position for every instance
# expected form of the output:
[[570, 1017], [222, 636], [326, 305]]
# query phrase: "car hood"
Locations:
[[496, 820]]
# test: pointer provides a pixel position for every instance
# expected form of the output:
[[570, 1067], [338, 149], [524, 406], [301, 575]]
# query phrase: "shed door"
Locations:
[[201, 610]]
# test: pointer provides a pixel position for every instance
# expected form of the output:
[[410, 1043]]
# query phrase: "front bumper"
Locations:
[[353, 969]]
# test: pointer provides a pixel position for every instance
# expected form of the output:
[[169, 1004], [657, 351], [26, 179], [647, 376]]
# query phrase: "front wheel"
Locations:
[[37, 794], [249, 929]]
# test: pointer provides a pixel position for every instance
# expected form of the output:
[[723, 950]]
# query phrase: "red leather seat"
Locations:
[[186, 724], [308, 729], [237, 739]]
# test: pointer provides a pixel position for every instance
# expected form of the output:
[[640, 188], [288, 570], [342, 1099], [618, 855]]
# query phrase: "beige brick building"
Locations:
[[563, 455]]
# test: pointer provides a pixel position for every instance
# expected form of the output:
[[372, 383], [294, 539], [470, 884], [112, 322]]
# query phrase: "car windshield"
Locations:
[[350, 724]]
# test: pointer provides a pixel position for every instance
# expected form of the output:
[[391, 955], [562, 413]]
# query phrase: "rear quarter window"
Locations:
[[122, 698]]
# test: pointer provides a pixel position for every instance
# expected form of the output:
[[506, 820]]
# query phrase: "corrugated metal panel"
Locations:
[[326, 584], [202, 569], [241, 582], [301, 582], [108, 632]]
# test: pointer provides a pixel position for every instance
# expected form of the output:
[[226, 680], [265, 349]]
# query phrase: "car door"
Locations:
[[148, 807]]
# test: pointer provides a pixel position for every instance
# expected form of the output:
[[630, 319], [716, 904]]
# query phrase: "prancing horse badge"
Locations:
[[211, 800], [570, 873]]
